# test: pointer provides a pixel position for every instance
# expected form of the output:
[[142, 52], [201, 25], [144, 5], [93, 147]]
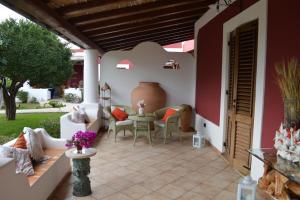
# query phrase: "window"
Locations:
[[125, 64]]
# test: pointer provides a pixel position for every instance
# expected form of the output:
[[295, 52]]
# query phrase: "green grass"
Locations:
[[24, 106], [11, 129]]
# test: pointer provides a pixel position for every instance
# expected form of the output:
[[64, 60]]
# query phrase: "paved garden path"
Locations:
[[67, 108]]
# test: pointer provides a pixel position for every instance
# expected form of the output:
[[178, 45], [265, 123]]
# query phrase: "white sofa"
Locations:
[[47, 175], [68, 127]]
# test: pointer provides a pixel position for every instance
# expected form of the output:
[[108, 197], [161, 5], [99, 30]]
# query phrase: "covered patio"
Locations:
[[228, 81]]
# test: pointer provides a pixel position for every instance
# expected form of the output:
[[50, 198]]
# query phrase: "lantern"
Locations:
[[198, 140], [246, 189]]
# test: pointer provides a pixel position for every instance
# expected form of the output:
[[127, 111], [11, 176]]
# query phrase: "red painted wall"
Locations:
[[283, 41], [76, 77], [209, 62]]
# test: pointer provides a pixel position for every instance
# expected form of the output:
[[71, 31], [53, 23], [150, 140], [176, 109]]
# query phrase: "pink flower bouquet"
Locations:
[[82, 139]]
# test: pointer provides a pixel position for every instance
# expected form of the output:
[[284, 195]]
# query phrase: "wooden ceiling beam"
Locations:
[[161, 42], [42, 14], [166, 31], [86, 5], [133, 19], [151, 38], [114, 30], [134, 10]]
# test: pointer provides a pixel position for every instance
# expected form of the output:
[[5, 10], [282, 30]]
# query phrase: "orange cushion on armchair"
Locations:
[[119, 114], [169, 112]]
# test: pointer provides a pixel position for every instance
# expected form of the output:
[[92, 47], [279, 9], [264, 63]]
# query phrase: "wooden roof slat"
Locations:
[[115, 24], [161, 42], [175, 30], [93, 6], [139, 31], [113, 30], [150, 38], [133, 10], [139, 18]]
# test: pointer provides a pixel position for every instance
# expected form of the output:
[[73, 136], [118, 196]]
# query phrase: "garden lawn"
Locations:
[[24, 106], [11, 129]]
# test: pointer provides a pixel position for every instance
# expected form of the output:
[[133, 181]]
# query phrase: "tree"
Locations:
[[31, 53]]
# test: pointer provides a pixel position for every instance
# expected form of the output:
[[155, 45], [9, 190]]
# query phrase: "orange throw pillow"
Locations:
[[169, 112], [119, 114], [20, 142]]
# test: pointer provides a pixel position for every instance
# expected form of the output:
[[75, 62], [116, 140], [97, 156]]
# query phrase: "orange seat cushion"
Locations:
[[119, 114], [169, 112], [20, 142]]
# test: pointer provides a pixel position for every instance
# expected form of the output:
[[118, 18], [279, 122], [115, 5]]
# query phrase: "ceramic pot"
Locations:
[[153, 95]]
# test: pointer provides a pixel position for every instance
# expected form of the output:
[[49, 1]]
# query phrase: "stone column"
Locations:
[[90, 76]]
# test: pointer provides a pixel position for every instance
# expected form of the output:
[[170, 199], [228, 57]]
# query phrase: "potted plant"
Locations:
[[81, 139], [288, 79]]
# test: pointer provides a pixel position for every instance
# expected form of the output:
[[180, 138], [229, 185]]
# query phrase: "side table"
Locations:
[[81, 170], [142, 124]]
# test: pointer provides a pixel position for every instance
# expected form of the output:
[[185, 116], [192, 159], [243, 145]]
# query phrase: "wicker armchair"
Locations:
[[116, 126], [171, 124]]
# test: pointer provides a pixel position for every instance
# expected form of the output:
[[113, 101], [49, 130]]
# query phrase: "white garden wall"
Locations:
[[41, 94], [148, 59]]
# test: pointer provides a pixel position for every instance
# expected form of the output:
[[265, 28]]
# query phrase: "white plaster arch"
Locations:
[[148, 59]]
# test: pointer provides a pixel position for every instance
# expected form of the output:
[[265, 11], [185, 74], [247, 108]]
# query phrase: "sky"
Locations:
[[6, 13]]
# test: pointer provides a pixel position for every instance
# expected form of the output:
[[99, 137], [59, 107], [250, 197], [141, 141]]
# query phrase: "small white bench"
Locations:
[[47, 175]]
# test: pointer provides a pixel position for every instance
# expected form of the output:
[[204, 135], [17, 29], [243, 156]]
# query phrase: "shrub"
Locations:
[[72, 98], [23, 96], [51, 126], [55, 104], [34, 100]]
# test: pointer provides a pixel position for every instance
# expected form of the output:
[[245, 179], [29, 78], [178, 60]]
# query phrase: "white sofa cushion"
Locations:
[[160, 123], [77, 117], [112, 108], [125, 122], [34, 144]]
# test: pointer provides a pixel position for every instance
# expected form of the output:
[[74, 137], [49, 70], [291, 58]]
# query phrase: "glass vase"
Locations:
[[291, 113], [78, 149]]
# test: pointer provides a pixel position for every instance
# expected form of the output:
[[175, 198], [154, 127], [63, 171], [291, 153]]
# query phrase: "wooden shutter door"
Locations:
[[240, 115], [230, 92]]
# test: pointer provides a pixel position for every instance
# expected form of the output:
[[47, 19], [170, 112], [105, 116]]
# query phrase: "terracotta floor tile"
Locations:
[[117, 196], [102, 191], [207, 190], [136, 191], [225, 195], [171, 191], [193, 196]]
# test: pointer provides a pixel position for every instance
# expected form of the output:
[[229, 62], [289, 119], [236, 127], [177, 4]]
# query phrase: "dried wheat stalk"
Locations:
[[288, 79]]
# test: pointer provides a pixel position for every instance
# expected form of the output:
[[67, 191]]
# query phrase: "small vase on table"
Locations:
[[78, 149]]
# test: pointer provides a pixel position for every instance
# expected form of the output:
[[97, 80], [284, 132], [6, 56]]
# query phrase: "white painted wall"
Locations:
[[148, 59], [217, 134], [75, 91], [41, 94]]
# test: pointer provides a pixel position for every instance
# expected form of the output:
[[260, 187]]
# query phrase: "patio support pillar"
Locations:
[[90, 76]]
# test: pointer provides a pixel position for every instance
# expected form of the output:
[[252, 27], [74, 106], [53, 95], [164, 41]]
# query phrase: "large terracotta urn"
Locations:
[[153, 95]]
